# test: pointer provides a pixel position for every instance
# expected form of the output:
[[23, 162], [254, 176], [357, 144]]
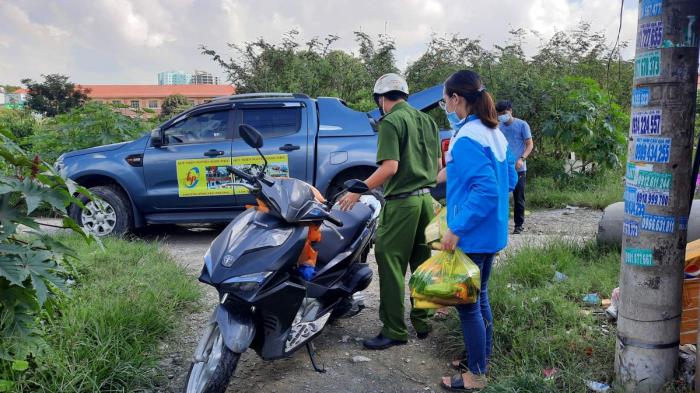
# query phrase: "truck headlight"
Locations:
[[59, 165]]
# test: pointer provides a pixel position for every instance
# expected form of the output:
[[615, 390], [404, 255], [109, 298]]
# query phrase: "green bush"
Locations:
[[33, 266], [127, 298], [92, 124], [540, 323]]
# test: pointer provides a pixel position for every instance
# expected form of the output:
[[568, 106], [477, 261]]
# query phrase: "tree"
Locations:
[[55, 95], [313, 68], [173, 104]]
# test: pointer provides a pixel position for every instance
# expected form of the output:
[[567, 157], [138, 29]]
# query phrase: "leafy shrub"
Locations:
[[33, 266]]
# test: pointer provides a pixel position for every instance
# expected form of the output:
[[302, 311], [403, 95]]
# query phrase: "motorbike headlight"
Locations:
[[248, 282], [262, 238]]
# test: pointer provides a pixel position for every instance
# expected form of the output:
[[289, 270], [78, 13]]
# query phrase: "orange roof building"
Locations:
[[152, 96]]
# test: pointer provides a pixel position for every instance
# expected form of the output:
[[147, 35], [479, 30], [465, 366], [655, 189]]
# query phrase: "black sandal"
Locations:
[[457, 385]]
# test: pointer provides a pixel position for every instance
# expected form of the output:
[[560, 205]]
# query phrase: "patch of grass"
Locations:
[[105, 336], [540, 323], [596, 192]]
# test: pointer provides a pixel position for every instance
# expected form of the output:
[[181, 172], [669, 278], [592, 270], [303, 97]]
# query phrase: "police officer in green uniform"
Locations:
[[408, 154]]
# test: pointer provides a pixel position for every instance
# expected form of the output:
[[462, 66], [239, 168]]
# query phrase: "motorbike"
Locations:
[[265, 304]]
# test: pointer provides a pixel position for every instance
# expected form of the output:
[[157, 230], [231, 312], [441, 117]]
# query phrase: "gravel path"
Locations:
[[415, 367]]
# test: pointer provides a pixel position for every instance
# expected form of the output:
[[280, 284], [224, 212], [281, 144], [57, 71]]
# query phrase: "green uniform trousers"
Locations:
[[400, 243]]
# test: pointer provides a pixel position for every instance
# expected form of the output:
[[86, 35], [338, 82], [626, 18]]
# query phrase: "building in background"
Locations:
[[185, 78], [204, 78], [174, 78], [134, 98], [16, 99]]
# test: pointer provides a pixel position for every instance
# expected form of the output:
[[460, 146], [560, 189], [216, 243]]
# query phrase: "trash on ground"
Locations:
[[597, 386], [611, 310], [360, 359], [344, 339], [606, 302], [559, 277], [549, 373], [688, 356], [592, 299]]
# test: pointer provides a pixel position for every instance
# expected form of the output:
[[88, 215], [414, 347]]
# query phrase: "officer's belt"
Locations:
[[405, 195]]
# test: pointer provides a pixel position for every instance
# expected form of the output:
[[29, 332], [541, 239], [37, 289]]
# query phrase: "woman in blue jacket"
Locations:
[[480, 175]]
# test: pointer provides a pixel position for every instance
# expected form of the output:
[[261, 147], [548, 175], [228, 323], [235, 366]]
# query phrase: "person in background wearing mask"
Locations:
[[519, 137], [409, 158], [480, 175]]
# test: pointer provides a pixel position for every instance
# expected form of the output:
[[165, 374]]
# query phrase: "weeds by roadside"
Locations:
[[595, 191], [542, 324], [104, 337]]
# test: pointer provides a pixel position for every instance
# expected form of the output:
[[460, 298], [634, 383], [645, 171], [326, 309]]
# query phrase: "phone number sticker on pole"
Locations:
[[639, 257], [661, 224], [648, 65], [646, 122], [630, 228], [650, 35], [650, 8], [634, 209], [654, 180], [657, 150], [640, 97]]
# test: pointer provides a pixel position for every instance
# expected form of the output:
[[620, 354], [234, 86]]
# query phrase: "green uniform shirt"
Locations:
[[412, 138]]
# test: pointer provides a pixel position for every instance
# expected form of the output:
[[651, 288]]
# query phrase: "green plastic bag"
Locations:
[[436, 229], [446, 279]]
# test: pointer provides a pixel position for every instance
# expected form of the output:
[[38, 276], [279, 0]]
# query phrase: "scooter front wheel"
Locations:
[[213, 364]]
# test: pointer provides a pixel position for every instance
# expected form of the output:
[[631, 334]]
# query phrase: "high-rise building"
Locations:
[[204, 78], [174, 78]]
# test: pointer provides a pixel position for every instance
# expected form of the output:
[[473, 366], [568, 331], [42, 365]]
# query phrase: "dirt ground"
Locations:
[[415, 367]]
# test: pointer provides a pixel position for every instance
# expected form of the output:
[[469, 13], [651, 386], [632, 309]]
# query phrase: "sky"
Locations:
[[130, 41]]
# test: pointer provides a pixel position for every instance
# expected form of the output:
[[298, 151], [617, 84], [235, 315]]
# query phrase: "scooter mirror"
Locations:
[[356, 186], [251, 136]]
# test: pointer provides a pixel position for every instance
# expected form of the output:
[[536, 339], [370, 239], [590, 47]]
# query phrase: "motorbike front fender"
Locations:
[[237, 330]]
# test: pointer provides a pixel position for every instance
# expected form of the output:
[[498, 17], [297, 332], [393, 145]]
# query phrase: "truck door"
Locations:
[[189, 172], [285, 129]]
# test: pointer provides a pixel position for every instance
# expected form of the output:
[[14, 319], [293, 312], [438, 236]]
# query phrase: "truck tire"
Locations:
[[116, 217]]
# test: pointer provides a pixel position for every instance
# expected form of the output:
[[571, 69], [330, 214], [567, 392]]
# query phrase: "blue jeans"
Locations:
[[477, 321]]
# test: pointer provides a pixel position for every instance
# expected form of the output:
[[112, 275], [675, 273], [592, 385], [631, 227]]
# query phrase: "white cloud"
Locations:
[[129, 41]]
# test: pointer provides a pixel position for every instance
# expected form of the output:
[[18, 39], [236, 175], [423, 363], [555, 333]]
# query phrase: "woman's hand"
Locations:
[[348, 201], [449, 241]]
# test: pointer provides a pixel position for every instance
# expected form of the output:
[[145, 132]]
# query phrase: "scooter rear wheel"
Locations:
[[213, 373]]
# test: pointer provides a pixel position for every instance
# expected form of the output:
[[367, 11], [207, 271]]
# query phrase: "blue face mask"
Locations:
[[453, 119], [504, 118]]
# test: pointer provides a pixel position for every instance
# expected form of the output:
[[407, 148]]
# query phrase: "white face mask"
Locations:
[[504, 118]]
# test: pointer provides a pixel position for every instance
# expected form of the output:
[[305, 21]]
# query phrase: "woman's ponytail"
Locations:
[[467, 84]]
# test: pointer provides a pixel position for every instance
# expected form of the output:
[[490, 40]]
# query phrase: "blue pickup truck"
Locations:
[[178, 173]]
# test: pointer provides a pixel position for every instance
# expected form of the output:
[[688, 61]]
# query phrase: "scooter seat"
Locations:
[[353, 223]]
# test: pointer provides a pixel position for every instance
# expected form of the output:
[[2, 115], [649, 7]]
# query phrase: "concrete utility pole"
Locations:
[[657, 194]]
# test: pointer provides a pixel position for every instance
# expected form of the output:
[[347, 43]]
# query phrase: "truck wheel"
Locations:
[[108, 214]]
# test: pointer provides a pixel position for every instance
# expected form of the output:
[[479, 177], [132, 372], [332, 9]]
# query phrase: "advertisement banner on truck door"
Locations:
[[210, 176], [204, 177], [277, 166]]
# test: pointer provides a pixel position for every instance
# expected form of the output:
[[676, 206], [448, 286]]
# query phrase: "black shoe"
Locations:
[[381, 342], [518, 230], [423, 335]]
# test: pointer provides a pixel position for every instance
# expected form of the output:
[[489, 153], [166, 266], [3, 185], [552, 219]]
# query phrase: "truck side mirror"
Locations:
[[156, 138]]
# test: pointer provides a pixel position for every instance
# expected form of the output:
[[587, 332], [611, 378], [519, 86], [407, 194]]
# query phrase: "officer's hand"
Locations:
[[348, 201], [449, 241]]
